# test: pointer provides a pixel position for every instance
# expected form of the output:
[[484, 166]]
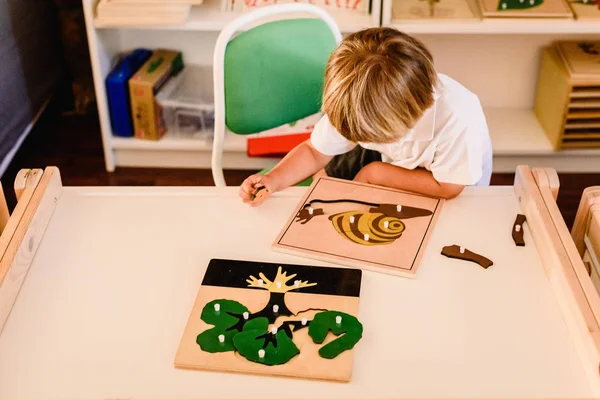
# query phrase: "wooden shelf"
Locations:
[[507, 26], [209, 17]]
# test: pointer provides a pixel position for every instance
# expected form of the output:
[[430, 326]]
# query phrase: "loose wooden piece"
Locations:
[[460, 253], [240, 323], [34, 218], [362, 226], [517, 232]]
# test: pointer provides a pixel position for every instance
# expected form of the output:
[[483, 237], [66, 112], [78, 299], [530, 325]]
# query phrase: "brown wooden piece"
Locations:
[[517, 231], [454, 251], [260, 194]]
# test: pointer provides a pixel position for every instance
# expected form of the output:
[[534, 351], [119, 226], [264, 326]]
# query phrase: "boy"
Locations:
[[391, 120]]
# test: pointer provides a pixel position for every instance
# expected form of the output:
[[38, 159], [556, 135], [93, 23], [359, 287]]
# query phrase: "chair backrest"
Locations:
[[271, 74], [274, 74]]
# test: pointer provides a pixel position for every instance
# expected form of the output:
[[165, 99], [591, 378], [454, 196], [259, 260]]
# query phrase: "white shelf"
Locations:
[[209, 17], [235, 143], [517, 138], [507, 26]]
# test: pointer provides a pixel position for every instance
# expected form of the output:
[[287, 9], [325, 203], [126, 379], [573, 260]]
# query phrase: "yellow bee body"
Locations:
[[355, 225]]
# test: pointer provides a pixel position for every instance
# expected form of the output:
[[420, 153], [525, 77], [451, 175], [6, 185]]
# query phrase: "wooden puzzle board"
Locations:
[[548, 8], [320, 239], [444, 9], [582, 59], [585, 10], [334, 289]]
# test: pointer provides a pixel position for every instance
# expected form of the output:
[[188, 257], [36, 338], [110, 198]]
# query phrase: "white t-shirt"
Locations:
[[451, 139]]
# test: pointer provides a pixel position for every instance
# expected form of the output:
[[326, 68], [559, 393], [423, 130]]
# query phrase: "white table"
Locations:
[[110, 290]]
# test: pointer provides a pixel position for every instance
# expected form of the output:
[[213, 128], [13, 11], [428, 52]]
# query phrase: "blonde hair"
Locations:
[[378, 83]]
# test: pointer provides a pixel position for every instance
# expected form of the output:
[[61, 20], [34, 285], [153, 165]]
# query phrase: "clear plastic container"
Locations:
[[188, 103]]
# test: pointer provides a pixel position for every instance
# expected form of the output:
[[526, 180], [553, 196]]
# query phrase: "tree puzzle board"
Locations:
[[274, 319], [362, 226], [525, 8]]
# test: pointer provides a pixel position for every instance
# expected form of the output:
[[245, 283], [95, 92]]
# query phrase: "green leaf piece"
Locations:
[[209, 340], [260, 324], [508, 5], [222, 321], [324, 322], [222, 317], [248, 343]]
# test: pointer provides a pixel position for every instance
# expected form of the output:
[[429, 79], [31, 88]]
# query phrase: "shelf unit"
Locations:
[[498, 59]]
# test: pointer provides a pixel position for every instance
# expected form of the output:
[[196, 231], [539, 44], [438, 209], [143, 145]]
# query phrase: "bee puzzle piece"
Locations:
[[260, 194], [307, 213], [382, 224], [461, 253], [517, 231]]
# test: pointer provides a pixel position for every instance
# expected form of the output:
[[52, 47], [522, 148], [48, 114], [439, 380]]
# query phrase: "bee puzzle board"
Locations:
[[362, 226], [274, 319]]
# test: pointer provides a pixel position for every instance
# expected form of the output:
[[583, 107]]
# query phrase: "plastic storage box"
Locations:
[[188, 103]]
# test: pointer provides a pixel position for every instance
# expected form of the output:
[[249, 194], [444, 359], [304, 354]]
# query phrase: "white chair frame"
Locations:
[[219, 73]]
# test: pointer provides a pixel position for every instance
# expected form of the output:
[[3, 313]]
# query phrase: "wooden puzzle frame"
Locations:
[[317, 291], [336, 258]]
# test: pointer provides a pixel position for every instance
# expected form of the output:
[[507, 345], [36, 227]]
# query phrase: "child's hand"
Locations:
[[250, 193]]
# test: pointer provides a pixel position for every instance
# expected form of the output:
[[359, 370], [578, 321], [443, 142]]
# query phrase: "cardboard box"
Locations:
[[146, 113]]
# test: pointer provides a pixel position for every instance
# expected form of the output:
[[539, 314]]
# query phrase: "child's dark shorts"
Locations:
[[346, 166]]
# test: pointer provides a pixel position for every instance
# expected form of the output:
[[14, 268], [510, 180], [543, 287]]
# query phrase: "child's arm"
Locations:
[[300, 163], [418, 180]]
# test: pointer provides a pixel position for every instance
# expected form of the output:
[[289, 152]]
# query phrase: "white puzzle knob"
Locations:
[[462, 249], [274, 330], [261, 353], [222, 338], [518, 228], [310, 210], [398, 208], [352, 219], [338, 319], [246, 315], [275, 308], [260, 282], [217, 307], [386, 224], [366, 237], [304, 321], [297, 283], [278, 284]]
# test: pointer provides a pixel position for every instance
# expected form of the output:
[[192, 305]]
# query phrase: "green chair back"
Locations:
[[274, 74]]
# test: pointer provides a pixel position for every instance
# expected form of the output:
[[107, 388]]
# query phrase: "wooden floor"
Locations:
[[72, 143]]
